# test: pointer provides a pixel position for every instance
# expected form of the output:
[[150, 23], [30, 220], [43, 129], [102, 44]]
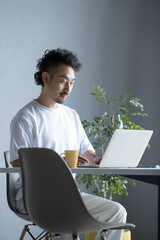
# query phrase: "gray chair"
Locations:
[[51, 197], [11, 179]]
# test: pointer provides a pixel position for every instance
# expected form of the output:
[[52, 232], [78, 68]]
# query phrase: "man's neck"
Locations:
[[46, 102]]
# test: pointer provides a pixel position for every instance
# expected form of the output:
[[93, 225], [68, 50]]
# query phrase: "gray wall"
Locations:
[[118, 44]]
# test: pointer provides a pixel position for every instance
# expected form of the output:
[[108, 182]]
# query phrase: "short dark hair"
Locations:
[[52, 58]]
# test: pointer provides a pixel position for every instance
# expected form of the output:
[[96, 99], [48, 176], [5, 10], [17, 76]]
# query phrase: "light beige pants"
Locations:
[[105, 210], [101, 209]]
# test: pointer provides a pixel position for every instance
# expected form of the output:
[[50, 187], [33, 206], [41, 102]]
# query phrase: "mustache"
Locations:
[[65, 93]]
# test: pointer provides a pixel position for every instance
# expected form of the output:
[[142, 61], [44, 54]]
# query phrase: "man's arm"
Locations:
[[16, 163], [21, 129]]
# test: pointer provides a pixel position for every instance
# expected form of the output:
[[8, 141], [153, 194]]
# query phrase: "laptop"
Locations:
[[126, 148]]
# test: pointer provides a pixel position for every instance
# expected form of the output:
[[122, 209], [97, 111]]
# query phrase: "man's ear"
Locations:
[[45, 78]]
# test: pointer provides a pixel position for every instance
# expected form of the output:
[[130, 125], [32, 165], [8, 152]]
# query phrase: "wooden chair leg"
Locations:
[[103, 238], [48, 236], [24, 232]]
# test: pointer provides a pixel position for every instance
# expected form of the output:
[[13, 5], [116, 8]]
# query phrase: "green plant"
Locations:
[[101, 129]]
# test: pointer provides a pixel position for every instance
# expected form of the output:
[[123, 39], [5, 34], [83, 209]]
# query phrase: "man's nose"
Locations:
[[67, 87]]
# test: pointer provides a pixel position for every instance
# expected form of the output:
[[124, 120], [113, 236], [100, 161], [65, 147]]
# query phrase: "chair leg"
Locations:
[[24, 232], [48, 236], [103, 238], [76, 237]]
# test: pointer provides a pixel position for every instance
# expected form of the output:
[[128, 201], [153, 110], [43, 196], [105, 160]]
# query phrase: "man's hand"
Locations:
[[16, 163], [89, 158], [82, 160]]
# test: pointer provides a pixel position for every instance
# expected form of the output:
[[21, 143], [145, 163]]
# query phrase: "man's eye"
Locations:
[[63, 82]]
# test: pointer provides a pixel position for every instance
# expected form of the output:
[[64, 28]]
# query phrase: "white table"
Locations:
[[10, 170]]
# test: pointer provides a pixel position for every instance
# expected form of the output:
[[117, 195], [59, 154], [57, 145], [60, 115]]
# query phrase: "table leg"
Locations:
[[158, 211]]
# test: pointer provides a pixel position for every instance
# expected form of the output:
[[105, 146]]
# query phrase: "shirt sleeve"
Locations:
[[21, 130], [85, 144]]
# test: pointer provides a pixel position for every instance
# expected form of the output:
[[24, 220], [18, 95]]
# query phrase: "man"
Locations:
[[45, 122]]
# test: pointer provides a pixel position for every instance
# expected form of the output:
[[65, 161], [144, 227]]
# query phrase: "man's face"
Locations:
[[59, 83]]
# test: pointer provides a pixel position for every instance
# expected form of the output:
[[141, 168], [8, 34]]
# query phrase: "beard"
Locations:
[[62, 97]]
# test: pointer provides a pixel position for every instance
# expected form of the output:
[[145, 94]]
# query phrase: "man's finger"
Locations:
[[82, 159]]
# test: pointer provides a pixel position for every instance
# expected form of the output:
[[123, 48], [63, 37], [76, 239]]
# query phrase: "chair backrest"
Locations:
[[11, 179], [50, 194]]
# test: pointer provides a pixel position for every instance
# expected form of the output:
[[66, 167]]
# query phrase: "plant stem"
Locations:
[[112, 122], [110, 188], [102, 151]]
